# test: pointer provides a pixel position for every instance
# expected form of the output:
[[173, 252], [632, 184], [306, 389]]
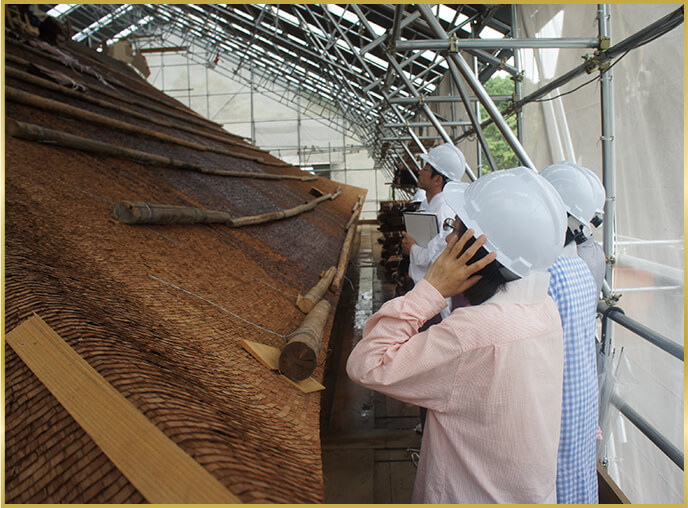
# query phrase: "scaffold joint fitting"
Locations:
[[453, 43], [604, 43]]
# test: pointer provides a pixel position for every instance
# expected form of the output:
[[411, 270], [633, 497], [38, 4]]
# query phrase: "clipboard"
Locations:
[[421, 226]]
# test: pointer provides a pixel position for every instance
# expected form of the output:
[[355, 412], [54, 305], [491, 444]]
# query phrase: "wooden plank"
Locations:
[[609, 491], [269, 357], [160, 470]]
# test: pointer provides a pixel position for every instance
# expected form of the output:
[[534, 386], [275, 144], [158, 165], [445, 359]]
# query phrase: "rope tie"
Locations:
[[306, 331]]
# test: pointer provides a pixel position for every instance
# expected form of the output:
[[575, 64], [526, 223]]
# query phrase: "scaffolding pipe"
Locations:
[[370, 73], [459, 44], [410, 101], [477, 87], [518, 92], [489, 58], [454, 71], [608, 167], [424, 124], [666, 446], [655, 338], [667, 23], [411, 88]]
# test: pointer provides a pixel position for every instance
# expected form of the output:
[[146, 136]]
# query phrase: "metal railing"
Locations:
[[617, 315]]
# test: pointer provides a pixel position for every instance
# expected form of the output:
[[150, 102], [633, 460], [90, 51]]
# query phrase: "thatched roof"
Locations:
[[160, 311]]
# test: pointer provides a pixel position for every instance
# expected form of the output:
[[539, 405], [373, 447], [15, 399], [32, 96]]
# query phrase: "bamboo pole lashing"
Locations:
[[151, 107], [35, 80], [299, 357], [306, 302], [32, 132]]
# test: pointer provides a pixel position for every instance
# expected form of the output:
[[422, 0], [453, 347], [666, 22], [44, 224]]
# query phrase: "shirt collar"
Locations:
[[569, 250], [530, 289]]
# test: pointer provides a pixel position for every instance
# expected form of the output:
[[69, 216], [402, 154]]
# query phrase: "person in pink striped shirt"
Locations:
[[490, 374]]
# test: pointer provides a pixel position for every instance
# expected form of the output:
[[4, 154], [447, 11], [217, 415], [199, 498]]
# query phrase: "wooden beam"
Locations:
[[160, 470]]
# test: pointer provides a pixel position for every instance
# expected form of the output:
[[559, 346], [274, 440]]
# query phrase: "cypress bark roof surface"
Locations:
[[158, 311]]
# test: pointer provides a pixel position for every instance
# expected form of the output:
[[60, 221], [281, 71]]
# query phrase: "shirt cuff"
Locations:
[[427, 299]]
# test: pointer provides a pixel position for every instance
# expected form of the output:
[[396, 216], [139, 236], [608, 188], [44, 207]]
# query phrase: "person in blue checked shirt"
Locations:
[[574, 290]]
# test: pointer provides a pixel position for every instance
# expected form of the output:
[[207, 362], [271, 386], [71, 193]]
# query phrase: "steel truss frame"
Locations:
[[374, 69]]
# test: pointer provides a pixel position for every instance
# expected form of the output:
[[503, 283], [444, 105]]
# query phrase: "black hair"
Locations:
[[572, 235], [492, 280]]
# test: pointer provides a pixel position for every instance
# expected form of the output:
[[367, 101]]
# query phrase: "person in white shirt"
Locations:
[[443, 163]]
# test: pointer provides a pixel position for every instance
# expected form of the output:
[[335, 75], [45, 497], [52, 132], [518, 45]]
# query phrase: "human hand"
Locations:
[[407, 242], [450, 274]]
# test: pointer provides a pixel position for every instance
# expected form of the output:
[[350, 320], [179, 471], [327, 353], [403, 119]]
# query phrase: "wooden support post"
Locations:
[[299, 357], [307, 302]]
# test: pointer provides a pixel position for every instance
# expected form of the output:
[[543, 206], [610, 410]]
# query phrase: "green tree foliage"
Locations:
[[501, 151]]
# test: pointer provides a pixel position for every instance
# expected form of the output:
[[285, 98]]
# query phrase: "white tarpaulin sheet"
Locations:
[[648, 139]]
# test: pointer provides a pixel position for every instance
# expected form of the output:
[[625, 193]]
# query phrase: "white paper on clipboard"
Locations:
[[421, 226]]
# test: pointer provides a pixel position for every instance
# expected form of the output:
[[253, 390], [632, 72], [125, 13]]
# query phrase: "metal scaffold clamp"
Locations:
[[453, 43], [421, 99], [604, 43], [597, 62]]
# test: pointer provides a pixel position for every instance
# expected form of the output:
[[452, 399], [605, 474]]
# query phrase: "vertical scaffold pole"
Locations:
[[608, 167], [516, 33]]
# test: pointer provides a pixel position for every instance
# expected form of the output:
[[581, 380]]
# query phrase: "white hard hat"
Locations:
[[419, 196], [577, 189], [447, 160], [519, 212], [599, 196]]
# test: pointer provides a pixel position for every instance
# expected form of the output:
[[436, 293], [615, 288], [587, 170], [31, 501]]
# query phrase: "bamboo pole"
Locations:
[[283, 214], [130, 212], [32, 132], [142, 104], [28, 99], [299, 357], [307, 302], [354, 212], [351, 228], [190, 116], [44, 83]]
